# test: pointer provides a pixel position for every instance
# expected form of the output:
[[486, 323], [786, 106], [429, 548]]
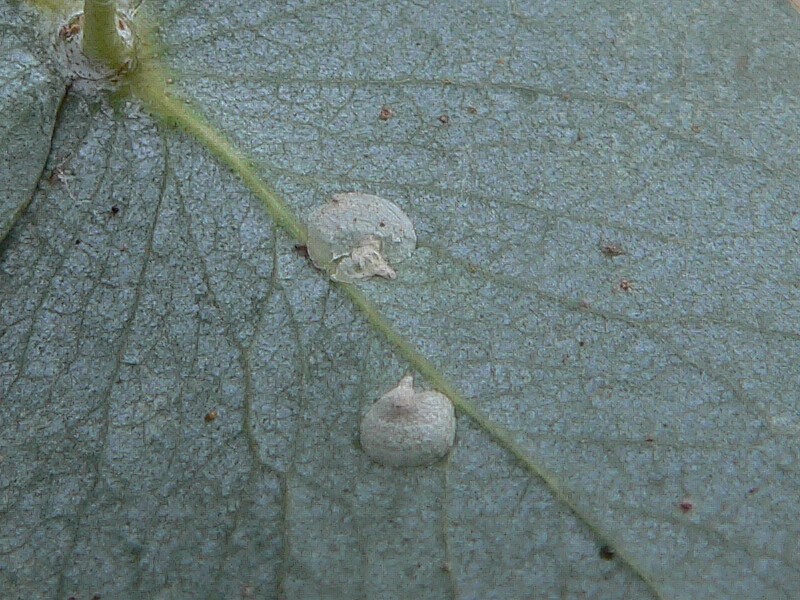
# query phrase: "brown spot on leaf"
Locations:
[[606, 552], [612, 250], [386, 113]]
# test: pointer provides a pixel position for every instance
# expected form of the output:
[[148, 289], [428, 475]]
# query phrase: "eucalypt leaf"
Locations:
[[146, 77]]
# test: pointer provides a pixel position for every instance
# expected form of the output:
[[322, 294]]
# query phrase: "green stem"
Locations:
[[101, 41]]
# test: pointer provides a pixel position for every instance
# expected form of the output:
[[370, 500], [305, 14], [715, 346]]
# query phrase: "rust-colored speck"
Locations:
[[386, 113]]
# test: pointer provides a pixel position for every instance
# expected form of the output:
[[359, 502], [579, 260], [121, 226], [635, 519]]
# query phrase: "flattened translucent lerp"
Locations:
[[356, 236]]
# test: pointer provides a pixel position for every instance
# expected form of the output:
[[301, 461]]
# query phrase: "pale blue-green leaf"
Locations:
[[666, 129], [30, 93]]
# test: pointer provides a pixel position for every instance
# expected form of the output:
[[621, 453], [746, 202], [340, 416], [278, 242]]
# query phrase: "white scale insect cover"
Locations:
[[356, 236], [406, 428]]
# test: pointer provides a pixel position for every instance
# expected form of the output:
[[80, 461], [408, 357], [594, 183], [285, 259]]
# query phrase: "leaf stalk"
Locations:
[[101, 39]]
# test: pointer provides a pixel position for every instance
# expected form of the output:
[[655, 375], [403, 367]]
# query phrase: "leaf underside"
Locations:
[[145, 286]]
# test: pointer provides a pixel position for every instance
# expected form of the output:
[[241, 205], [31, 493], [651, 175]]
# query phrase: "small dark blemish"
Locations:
[[612, 250], [742, 64], [607, 552], [386, 113]]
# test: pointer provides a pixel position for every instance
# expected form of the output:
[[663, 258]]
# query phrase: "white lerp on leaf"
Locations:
[[405, 428], [356, 236]]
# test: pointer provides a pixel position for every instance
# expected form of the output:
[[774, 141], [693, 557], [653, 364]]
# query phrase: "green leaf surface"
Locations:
[[658, 387], [30, 93]]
